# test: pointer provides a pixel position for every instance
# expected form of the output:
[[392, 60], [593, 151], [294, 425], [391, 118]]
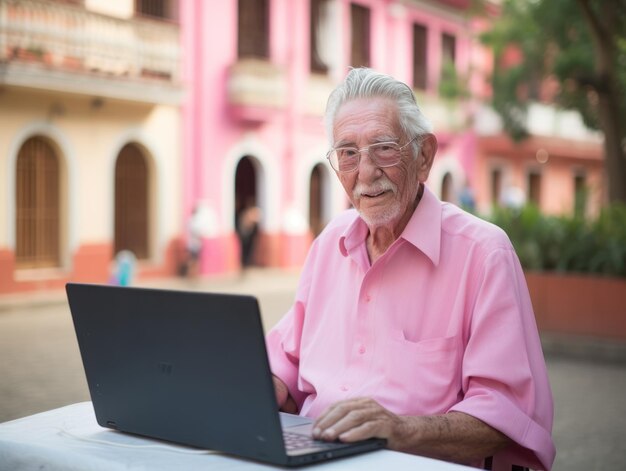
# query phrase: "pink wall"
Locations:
[[211, 131], [213, 127]]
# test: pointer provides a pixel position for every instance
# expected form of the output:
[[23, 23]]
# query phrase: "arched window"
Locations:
[[534, 187], [420, 63], [247, 213], [496, 185], [447, 190], [245, 185], [360, 40], [319, 51], [253, 29], [131, 202], [37, 199], [318, 189]]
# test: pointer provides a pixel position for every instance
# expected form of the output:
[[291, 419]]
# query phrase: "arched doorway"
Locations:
[[132, 202], [318, 196], [247, 212], [447, 188], [38, 201]]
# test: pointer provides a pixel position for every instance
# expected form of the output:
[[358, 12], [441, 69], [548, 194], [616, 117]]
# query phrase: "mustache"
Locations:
[[374, 189]]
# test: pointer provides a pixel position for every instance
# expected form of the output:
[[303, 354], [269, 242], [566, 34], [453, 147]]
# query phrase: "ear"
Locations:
[[427, 156]]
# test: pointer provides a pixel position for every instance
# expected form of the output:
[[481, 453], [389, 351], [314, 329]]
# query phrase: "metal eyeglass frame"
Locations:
[[367, 148]]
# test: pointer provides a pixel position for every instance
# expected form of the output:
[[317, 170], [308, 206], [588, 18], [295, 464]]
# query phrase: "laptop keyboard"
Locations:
[[298, 441]]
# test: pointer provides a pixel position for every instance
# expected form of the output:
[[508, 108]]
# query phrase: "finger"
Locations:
[[357, 415], [351, 420], [327, 419], [369, 429], [334, 414]]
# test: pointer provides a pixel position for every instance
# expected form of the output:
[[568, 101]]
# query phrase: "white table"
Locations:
[[69, 439]]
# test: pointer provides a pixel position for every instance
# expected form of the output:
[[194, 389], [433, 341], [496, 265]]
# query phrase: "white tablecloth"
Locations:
[[69, 439]]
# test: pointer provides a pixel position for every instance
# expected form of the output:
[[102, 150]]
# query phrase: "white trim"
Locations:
[[68, 165]]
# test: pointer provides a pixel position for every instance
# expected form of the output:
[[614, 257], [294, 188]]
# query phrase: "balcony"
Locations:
[[256, 90], [63, 47], [318, 88], [445, 115]]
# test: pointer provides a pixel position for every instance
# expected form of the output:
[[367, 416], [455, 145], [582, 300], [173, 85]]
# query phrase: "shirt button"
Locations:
[[368, 298], [362, 349], [344, 388]]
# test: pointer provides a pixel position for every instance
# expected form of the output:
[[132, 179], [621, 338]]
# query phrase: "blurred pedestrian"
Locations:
[[466, 198], [247, 230], [199, 227], [124, 269], [194, 243]]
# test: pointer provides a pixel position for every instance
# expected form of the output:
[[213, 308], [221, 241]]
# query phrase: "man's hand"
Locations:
[[454, 436], [283, 399], [359, 419]]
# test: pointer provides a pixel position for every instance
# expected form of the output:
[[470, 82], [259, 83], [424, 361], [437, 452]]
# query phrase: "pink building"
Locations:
[[118, 119], [258, 73]]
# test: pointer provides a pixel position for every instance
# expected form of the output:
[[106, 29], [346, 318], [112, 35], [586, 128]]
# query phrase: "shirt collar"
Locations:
[[423, 229], [353, 235]]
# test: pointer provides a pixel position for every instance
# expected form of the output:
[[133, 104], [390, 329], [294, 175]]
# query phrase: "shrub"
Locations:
[[567, 243]]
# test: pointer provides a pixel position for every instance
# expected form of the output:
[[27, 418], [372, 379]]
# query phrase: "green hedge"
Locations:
[[567, 243]]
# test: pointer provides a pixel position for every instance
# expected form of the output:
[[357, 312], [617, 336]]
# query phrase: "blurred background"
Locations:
[[181, 143]]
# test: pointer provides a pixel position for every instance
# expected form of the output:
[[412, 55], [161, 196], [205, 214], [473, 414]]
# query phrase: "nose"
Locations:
[[368, 170]]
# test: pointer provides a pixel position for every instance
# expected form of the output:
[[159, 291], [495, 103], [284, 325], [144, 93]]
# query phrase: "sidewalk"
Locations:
[[255, 281], [267, 281]]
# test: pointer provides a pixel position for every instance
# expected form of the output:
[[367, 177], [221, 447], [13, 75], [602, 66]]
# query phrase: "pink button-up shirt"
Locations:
[[441, 322]]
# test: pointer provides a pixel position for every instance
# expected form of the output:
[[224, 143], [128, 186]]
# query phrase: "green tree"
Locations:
[[580, 45]]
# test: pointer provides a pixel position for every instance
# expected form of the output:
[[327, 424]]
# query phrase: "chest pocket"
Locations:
[[424, 376]]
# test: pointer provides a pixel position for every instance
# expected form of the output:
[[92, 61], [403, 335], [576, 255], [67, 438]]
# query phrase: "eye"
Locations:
[[385, 149], [346, 152]]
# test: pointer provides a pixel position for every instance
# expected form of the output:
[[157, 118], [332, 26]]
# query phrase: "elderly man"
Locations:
[[412, 320]]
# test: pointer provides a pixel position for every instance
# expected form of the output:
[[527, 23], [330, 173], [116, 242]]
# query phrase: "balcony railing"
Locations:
[[256, 89], [47, 42]]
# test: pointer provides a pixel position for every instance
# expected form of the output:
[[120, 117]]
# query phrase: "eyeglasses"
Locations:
[[383, 154]]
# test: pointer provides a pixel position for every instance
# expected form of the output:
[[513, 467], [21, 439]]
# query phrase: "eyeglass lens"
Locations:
[[384, 154]]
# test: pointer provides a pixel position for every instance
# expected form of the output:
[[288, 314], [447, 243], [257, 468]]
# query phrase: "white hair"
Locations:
[[364, 82]]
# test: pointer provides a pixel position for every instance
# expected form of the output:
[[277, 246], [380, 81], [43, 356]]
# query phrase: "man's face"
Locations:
[[385, 197]]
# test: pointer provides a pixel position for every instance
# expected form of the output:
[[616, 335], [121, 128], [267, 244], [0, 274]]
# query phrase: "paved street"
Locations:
[[41, 369]]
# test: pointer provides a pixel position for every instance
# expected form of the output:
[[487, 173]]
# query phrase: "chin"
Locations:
[[381, 218]]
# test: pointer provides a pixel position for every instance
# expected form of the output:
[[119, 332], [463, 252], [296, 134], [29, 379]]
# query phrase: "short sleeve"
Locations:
[[504, 378]]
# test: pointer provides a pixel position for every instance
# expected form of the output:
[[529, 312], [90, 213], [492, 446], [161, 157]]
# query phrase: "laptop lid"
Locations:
[[188, 367]]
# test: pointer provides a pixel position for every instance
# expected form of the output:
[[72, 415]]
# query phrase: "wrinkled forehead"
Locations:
[[366, 117]]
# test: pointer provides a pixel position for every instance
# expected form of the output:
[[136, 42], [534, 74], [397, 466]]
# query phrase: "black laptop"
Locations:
[[190, 368]]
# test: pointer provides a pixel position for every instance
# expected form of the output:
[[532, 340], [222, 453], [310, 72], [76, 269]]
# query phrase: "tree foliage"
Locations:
[[579, 47]]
